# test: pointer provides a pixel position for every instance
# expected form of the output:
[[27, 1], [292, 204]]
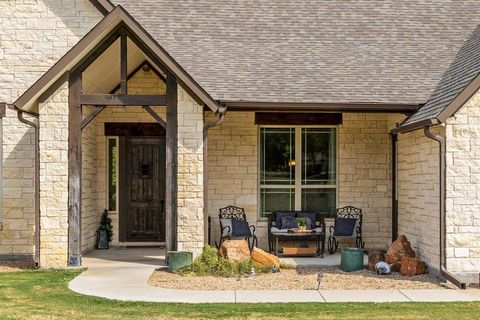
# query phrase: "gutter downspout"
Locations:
[[394, 160], [206, 127], [443, 169], [37, 179]]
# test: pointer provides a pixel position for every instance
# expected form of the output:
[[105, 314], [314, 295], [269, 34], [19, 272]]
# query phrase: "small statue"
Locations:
[[382, 268], [252, 272]]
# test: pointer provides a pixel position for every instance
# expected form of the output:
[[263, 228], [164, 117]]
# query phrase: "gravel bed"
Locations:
[[14, 266], [302, 278]]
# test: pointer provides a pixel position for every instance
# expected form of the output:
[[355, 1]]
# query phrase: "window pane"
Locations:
[[277, 150], [320, 200], [112, 174], [276, 199], [319, 156]]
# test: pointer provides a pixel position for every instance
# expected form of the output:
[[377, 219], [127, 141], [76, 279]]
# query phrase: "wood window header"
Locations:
[[132, 129], [294, 119]]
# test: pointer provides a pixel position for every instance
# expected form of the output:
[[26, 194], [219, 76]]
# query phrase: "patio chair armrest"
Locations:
[[253, 229], [358, 229], [227, 228], [331, 229]]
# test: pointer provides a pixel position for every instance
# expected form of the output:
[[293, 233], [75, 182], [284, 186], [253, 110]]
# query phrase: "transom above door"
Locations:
[[298, 169]]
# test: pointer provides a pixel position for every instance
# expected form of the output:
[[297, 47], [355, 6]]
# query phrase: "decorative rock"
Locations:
[[236, 250], [399, 248], [265, 258], [374, 257], [411, 267]]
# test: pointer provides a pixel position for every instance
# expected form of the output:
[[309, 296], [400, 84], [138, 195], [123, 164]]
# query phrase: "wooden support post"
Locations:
[[123, 63], [171, 166], [74, 170]]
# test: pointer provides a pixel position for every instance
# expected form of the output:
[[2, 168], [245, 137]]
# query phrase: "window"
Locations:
[[298, 169], [112, 173]]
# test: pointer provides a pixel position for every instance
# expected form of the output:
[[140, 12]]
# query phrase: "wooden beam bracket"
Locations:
[[155, 116], [89, 118]]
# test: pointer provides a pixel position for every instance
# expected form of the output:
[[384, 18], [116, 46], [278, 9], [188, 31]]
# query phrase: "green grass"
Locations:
[[44, 295]]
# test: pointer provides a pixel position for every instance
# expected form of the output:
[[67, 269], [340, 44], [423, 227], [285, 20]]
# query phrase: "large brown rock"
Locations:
[[399, 248], [265, 258], [374, 257], [236, 250], [411, 267]]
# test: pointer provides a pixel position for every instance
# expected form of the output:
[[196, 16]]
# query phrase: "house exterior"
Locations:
[[162, 112]]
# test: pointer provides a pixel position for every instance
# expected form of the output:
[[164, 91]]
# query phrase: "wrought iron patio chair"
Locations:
[[226, 232], [347, 212]]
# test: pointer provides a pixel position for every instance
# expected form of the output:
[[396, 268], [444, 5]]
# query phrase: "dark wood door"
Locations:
[[145, 189]]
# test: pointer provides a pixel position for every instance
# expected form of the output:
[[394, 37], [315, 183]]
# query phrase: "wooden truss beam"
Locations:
[[123, 100]]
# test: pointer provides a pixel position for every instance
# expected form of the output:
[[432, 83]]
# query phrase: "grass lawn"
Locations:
[[44, 295]]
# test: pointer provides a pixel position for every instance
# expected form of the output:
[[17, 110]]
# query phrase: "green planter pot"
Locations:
[[179, 259], [351, 259]]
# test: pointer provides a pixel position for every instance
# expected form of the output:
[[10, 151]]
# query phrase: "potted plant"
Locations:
[[302, 224]]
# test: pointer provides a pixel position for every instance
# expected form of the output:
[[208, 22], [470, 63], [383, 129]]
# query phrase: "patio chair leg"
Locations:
[[360, 244]]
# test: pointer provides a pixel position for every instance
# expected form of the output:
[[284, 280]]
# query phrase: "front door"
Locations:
[[144, 189]]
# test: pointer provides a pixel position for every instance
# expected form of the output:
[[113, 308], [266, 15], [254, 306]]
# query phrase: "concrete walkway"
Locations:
[[122, 274]]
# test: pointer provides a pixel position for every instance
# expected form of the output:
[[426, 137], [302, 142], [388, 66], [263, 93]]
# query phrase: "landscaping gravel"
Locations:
[[302, 278]]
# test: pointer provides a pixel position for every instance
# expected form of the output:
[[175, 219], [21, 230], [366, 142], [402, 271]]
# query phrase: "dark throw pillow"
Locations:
[[289, 222], [344, 227], [240, 228], [312, 216], [279, 215]]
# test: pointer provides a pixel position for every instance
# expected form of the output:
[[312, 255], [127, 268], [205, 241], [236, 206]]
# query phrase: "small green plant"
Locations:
[[210, 264], [286, 266], [302, 222]]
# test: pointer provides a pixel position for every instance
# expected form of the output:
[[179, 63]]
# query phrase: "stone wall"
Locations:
[[418, 193], [34, 35], [54, 180], [364, 177], [190, 223], [463, 190]]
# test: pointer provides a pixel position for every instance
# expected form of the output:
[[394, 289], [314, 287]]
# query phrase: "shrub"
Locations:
[[208, 263]]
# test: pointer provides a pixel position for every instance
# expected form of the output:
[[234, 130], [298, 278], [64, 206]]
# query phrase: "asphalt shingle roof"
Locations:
[[311, 51], [464, 68]]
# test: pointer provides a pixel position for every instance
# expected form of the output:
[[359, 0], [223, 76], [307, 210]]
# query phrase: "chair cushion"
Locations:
[[279, 215], [240, 228], [289, 222], [312, 216], [226, 223], [344, 227]]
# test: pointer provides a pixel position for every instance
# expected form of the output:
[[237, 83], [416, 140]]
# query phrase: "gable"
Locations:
[[29, 100]]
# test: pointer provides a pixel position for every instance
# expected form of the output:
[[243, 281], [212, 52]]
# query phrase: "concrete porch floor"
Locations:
[[122, 274], [121, 257]]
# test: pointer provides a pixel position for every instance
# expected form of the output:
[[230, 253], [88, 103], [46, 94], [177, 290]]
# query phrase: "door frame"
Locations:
[[122, 131]]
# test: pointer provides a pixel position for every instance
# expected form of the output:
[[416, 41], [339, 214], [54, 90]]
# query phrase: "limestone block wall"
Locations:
[[33, 36], [90, 214], [364, 171], [54, 180], [190, 223], [16, 234], [418, 193], [463, 189]]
